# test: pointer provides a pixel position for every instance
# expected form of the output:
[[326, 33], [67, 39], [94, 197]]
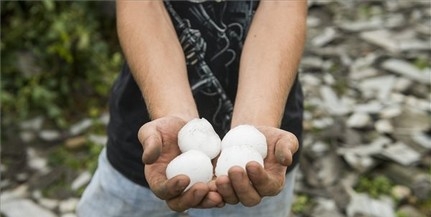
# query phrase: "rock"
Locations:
[[321, 164], [329, 79], [98, 139], [310, 80], [75, 142], [5, 183], [15, 194], [410, 211], [312, 21], [81, 180], [358, 120], [375, 147], [322, 123], [36, 194], [372, 107], [50, 204], [34, 124], [21, 177], [328, 34], [331, 102], [383, 126], [381, 86], [326, 208], [319, 148], [68, 215], [385, 39], [80, 127], [362, 25], [362, 67], [408, 70], [390, 112], [358, 162], [362, 204], [382, 38], [420, 104], [417, 180], [24, 208], [104, 118], [351, 137], [422, 139], [412, 120], [68, 205], [402, 84], [360, 157], [401, 153], [27, 136], [400, 192], [49, 135], [36, 162], [316, 63]]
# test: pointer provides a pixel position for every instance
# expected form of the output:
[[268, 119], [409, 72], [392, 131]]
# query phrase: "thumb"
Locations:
[[285, 147], [151, 142]]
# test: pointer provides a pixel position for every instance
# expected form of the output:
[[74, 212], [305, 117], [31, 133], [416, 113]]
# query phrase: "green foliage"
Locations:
[[422, 63], [376, 186], [59, 58], [82, 159], [301, 204]]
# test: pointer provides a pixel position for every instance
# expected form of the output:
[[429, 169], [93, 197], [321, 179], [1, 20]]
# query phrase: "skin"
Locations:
[[269, 49]]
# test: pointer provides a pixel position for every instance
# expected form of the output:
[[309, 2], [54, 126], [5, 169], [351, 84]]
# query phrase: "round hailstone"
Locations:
[[246, 135], [198, 134], [238, 155], [194, 164]]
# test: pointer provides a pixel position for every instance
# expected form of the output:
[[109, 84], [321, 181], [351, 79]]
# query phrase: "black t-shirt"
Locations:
[[212, 35]]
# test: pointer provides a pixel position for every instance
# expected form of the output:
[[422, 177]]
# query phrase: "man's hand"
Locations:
[[159, 139], [250, 186]]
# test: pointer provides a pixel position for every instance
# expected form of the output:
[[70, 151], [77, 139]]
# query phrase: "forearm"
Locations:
[[155, 57], [269, 62]]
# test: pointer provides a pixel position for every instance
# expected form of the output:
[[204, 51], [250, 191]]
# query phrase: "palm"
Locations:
[[248, 187], [160, 142]]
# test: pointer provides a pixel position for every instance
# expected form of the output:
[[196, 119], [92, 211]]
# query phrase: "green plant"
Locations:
[[375, 186], [59, 59], [301, 203]]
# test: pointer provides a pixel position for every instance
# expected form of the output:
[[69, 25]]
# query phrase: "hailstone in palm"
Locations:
[[198, 134], [194, 164], [246, 135], [238, 155]]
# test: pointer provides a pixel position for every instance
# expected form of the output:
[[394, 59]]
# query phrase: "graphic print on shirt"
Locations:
[[226, 40]]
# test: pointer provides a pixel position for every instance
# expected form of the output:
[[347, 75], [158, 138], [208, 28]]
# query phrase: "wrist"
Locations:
[[256, 119], [186, 114]]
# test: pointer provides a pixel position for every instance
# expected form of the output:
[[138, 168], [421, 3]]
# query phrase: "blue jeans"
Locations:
[[110, 194]]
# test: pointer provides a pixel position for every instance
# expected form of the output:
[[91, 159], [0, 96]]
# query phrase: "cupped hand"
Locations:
[[251, 185], [159, 139]]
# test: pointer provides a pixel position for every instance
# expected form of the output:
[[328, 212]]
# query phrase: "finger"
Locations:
[[243, 188], [169, 188], [151, 141], [285, 147], [190, 198], [212, 185], [263, 182], [212, 199], [225, 189], [152, 148]]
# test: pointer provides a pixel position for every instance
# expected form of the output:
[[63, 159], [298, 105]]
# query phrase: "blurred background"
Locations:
[[366, 75]]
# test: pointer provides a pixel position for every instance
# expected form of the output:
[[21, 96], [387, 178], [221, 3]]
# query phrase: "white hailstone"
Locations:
[[198, 134], [194, 164], [245, 135], [238, 155]]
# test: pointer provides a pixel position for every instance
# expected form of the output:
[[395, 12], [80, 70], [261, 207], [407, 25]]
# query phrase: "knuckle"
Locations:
[[252, 202]]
